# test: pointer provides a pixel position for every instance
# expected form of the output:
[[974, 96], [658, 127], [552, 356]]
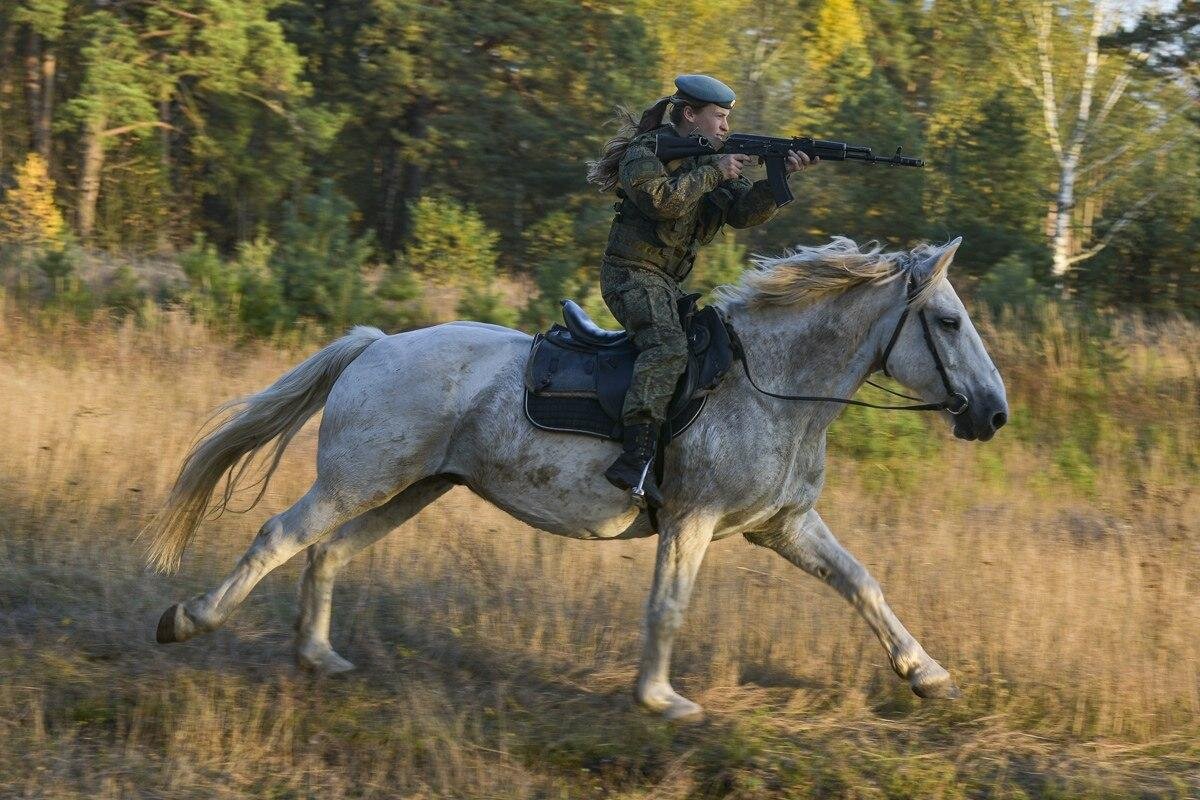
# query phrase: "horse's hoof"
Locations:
[[683, 711], [322, 660], [673, 706], [935, 684], [172, 625]]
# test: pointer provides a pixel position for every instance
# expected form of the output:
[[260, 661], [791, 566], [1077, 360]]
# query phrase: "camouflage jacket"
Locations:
[[667, 211]]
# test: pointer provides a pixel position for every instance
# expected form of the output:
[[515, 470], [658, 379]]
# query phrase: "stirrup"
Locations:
[[639, 491]]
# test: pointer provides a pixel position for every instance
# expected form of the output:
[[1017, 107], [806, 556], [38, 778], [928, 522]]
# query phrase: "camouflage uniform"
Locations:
[[666, 212]]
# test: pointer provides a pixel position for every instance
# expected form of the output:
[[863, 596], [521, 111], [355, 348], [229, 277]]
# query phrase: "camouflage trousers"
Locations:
[[644, 302]]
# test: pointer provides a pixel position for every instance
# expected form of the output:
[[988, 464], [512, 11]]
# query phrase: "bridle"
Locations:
[[955, 402]]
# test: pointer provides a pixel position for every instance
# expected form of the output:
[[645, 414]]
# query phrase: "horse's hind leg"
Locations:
[[321, 510], [325, 558]]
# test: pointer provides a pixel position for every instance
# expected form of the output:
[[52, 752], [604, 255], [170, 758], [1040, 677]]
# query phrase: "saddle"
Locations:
[[578, 373]]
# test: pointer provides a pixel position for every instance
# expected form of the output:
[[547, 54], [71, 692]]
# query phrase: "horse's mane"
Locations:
[[803, 275]]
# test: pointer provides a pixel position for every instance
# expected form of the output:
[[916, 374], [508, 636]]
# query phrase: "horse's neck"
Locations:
[[826, 349]]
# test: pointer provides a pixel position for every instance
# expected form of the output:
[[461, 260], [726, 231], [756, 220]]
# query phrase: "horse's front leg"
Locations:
[[681, 546], [807, 542]]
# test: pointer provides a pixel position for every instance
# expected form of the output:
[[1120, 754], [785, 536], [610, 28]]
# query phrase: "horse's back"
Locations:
[[410, 389], [446, 364]]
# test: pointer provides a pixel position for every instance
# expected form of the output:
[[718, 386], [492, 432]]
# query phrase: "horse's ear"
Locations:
[[937, 263]]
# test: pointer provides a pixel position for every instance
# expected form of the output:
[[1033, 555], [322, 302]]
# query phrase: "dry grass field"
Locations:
[[1054, 571]]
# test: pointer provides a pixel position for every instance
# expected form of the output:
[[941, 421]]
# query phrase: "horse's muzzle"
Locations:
[[984, 416]]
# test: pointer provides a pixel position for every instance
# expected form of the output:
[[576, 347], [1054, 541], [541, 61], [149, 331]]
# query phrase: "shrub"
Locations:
[[450, 243], [319, 263], [29, 219], [400, 299], [1010, 283], [720, 263], [553, 257], [483, 303]]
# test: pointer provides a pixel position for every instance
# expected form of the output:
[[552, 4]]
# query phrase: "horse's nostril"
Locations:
[[998, 420]]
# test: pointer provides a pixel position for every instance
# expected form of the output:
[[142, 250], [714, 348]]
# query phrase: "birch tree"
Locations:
[[1055, 54]]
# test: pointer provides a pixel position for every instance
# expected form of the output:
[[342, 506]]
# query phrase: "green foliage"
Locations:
[[450, 242], [885, 443], [241, 295], [484, 304], [1010, 284], [319, 262], [553, 257], [58, 265], [123, 295], [114, 89], [721, 263], [1151, 263], [64, 290], [400, 296], [46, 17], [458, 135], [215, 282], [261, 309]]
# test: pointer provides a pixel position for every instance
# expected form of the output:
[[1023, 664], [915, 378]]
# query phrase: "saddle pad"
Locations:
[[586, 416]]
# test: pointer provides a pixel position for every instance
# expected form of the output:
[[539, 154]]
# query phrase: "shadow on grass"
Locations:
[[76, 629]]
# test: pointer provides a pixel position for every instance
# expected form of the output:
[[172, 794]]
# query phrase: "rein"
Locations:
[[955, 402]]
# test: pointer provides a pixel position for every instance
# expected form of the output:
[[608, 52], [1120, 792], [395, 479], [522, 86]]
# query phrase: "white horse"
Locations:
[[409, 416]]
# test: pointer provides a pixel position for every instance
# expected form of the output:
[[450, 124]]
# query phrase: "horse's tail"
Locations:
[[277, 412]]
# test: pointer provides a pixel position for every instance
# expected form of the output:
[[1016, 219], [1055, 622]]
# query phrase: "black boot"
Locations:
[[635, 466]]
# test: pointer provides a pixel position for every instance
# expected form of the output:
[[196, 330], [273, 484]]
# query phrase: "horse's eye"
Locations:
[[949, 323]]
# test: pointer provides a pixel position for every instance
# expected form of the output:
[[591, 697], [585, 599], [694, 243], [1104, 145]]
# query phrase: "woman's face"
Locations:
[[711, 121]]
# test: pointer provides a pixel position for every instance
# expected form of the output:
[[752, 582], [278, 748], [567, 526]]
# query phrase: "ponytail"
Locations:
[[652, 117], [603, 171]]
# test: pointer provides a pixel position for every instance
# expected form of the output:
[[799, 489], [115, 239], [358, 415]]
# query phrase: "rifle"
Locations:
[[773, 151]]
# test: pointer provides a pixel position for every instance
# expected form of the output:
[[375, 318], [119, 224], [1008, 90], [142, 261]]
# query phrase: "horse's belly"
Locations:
[[551, 481], [567, 510]]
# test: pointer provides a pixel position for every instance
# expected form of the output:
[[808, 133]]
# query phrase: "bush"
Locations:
[[261, 309], [319, 263], [400, 299], [1010, 284], [719, 264], [484, 304], [553, 257], [213, 294], [29, 219], [450, 243], [123, 294]]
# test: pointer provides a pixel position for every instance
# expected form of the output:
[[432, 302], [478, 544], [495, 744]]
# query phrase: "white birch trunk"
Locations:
[[1068, 157]]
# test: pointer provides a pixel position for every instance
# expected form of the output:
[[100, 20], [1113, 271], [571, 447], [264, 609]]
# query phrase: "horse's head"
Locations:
[[933, 348]]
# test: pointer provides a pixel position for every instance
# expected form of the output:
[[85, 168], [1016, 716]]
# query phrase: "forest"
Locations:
[[291, 164]]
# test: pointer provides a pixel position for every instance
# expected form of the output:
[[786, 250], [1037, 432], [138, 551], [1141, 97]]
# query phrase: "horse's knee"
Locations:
[[666, 613]]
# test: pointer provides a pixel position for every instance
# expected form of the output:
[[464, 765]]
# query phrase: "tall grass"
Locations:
[[1053, 570]]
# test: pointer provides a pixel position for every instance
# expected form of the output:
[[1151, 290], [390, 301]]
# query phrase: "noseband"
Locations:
[[955, 402]]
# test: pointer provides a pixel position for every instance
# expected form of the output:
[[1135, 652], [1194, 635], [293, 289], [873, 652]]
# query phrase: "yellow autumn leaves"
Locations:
[[29, 219]]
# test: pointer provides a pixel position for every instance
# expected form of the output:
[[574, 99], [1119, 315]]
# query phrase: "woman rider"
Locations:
[[666, 212]]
